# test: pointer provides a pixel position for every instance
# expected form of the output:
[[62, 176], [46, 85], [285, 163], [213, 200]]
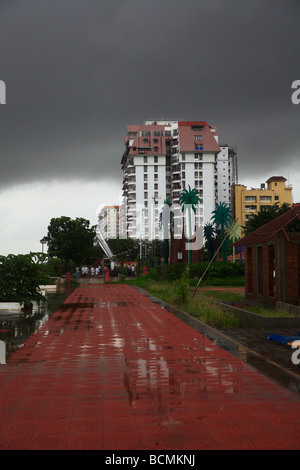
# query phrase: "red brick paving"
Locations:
[[111, 370]]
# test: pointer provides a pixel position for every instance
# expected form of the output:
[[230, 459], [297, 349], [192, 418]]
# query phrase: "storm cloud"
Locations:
[[77, 72]]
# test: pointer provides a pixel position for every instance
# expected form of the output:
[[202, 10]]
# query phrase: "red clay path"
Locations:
[[112, 370]]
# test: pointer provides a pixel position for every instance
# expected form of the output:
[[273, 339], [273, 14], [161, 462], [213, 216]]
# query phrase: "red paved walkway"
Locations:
[[112, 370]]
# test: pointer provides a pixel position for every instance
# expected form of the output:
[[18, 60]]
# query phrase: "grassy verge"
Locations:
[[178, 294], [258, 309]]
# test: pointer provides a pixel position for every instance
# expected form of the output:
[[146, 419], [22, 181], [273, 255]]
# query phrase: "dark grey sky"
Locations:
[[78, 71]]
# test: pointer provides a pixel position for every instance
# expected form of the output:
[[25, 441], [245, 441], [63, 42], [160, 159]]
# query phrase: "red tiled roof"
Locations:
[[192, 123], [276, 178], [269, 230]]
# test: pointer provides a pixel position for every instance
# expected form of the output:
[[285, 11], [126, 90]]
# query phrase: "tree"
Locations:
[[189, 200], [222, 217], [20, 278], [124, 249], [73, 241], [234, 233], [265, 215], [209, 234]]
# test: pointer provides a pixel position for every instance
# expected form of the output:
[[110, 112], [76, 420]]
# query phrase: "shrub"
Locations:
[[181, 290]]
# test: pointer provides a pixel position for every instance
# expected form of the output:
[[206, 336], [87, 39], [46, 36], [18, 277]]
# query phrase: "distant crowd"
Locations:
[[92, 271], [86, 271]]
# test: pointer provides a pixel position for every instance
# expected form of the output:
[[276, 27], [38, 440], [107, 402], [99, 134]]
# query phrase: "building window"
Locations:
[[158, 133], [145, 133], [265, 198], [145, 195], [276, 198], [156, 168], [250, 198], [145, 185], [145, 159], [155, 159], [155, 185], [145, 177], [145, 168]]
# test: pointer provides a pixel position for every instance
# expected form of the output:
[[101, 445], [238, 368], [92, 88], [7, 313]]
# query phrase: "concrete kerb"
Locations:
[[254, 320]]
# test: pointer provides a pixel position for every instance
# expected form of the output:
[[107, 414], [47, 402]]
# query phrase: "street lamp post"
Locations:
[[43, 242]]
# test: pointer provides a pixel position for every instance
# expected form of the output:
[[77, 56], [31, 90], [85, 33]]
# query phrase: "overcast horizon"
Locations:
[[78, 72]]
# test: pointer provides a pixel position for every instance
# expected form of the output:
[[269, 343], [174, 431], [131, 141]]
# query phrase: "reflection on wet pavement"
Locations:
[[112, 370]]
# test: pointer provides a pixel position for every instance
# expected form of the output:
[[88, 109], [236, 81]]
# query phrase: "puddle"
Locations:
[[264, 366], [16, 328], [76, 306], [109, 304]]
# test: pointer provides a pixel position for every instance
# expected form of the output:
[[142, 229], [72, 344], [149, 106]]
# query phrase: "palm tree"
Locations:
[[222, 217], [209, 233], [189, 200], [234, 233]]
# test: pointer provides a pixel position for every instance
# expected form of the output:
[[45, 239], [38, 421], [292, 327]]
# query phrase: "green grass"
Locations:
[[218, 282], [268, 312], [224, 296], [200, 306]]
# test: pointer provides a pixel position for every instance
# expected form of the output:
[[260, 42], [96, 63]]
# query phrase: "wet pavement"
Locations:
[[113, 370]]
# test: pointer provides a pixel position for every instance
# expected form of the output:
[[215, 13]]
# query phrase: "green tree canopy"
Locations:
[[20, 277], [209, 235], [264, 215], [124, 249], [222, 218], [71, 240]]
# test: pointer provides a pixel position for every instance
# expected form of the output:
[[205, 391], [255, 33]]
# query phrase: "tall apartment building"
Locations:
[[108, 221], [246, 202], [161, 159]]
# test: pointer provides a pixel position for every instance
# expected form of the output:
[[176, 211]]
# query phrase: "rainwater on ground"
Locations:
[[15, 328]]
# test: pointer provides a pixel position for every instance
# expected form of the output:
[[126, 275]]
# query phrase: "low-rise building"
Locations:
[[245, 202]]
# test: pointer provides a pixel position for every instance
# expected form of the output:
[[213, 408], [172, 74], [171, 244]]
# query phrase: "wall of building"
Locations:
[[249, 201]]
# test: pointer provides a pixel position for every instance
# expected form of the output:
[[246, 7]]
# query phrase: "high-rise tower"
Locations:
[[161, 159]]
